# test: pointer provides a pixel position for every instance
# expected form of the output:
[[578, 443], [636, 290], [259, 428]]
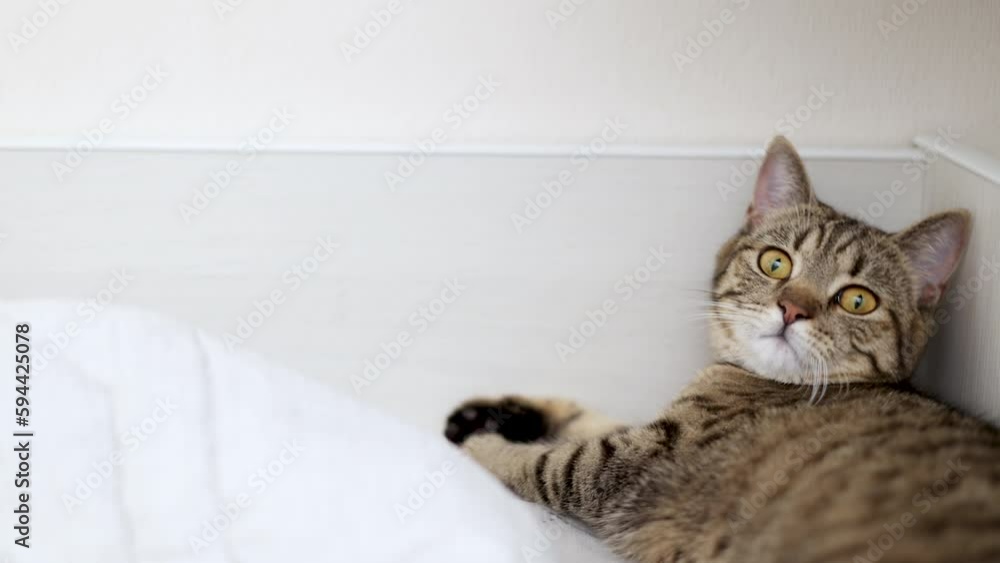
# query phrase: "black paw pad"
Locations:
[[513, 420]]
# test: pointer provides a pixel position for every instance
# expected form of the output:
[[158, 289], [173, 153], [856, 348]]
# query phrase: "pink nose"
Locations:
[[792, 312]]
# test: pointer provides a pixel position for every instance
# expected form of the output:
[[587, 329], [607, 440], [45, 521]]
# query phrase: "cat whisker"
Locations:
[[728, 318], [698, 290]]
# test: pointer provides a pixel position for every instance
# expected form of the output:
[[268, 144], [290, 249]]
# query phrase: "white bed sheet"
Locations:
[[153, 443]]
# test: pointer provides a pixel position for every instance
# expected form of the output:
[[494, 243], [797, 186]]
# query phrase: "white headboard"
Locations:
[[453, 218]]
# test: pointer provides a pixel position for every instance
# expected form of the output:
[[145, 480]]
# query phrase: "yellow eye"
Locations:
[[857, 300], [775, 264]]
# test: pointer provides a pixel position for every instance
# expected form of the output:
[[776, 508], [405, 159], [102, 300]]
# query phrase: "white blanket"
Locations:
[[153, 443]]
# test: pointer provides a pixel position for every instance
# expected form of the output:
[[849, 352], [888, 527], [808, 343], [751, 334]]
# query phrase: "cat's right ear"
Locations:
[[782, 182]]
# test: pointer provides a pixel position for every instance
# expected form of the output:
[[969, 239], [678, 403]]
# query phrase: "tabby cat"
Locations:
[[803, 442]]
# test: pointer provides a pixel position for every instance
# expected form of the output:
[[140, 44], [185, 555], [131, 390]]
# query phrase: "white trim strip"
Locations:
[[972, 159], [513, 150]]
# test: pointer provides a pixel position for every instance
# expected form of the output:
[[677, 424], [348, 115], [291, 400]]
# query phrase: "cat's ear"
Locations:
[[933, 247], [782, 181]]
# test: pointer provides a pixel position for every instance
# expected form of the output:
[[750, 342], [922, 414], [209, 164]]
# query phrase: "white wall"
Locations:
[[558, 84], [525, 289], [963, 361]]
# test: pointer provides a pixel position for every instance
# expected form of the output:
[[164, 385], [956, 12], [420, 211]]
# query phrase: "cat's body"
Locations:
[[803, 444], [796, 482]]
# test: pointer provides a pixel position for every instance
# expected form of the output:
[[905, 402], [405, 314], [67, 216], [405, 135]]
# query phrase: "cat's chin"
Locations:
[[769, 349], [776, 357]]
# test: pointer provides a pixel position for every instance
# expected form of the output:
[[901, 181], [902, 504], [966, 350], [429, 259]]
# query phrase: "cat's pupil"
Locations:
[[776, 264], [858, 300]]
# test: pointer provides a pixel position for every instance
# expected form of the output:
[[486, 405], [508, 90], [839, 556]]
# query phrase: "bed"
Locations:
[[153, 442]]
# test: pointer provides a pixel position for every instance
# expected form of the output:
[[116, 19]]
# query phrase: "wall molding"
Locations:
[[972, 159], [482, 150]]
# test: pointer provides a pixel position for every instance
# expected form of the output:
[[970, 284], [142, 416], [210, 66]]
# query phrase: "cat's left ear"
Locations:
[[782, 181], [934, 246]]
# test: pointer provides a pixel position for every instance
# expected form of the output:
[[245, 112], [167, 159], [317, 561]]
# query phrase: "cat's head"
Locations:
[[805, 294]]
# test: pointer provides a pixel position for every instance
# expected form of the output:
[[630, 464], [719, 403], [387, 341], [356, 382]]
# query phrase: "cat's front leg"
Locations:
[[577, 476]]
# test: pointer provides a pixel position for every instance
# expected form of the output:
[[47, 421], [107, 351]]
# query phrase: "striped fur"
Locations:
[[819, 452]]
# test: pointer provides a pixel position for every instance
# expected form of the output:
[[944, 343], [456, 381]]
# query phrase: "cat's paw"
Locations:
[[509, 417], [485, 448]]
